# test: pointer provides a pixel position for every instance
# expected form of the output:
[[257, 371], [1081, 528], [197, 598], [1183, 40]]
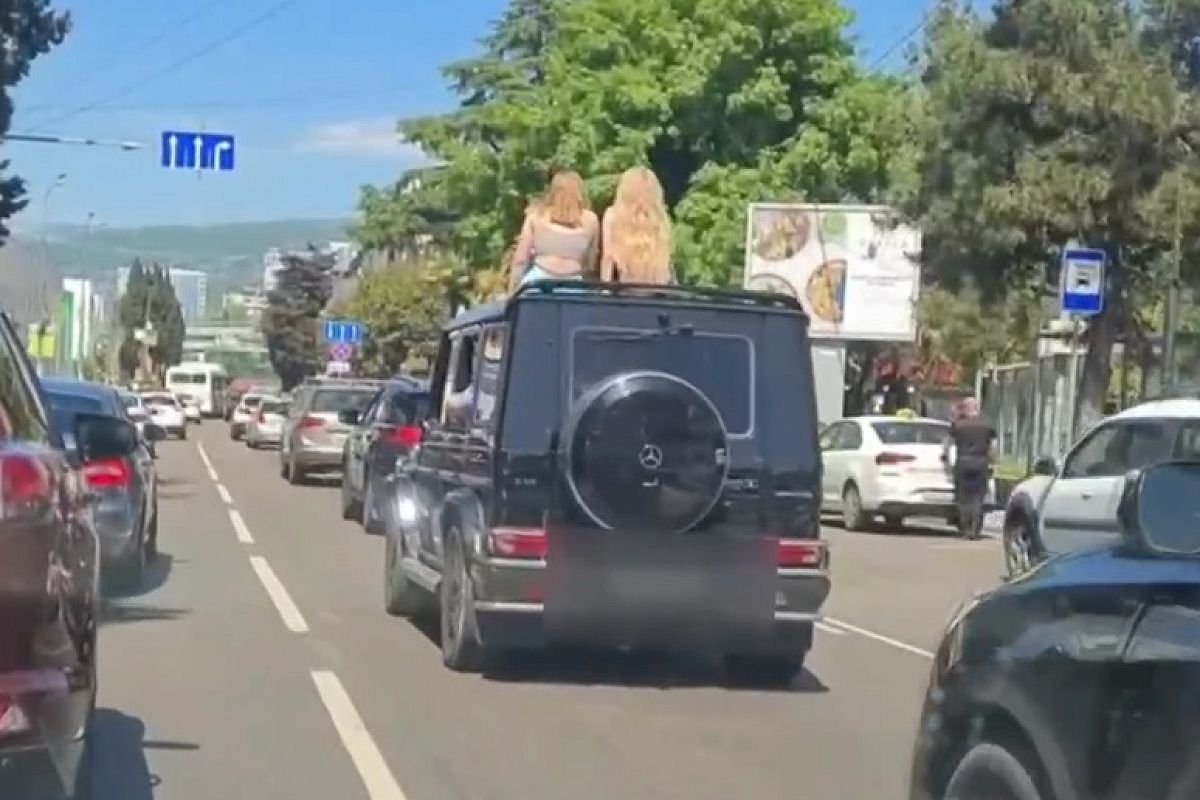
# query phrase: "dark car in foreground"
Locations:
[[1081, 678], [126, 487], [387, 430], [622, 466], [49, 583]]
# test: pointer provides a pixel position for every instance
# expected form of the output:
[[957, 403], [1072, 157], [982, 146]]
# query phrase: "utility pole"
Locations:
[[1171, 315]]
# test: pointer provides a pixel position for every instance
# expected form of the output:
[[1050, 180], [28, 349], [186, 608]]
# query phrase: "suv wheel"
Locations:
[[853, 516], [1019, 547], [461, 649], [992, 771], [370, 514], [401, 597], [130, 572], [295, 473], [777, 671]]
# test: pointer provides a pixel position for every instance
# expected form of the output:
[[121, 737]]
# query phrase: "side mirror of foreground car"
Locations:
[[1045, 466], [98, 437], [1159, 512]]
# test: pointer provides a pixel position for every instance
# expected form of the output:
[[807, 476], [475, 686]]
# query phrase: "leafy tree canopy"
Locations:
[[291, 321], [403, 312]]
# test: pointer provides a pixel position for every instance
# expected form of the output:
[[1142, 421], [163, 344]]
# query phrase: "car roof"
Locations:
[[97, 391], [869, 418], [1174, 408], [575, 291]]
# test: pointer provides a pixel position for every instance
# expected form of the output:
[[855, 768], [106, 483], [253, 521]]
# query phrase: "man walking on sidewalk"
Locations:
[[971, 438]]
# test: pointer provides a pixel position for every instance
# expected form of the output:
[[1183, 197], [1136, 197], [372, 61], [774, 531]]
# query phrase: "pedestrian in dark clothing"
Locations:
[[972, 438]]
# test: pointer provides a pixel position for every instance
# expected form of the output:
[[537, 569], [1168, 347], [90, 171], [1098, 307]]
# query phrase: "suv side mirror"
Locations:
[[1159, 507], [1045, 466], [348, 416], [154, 433], [98, 437]]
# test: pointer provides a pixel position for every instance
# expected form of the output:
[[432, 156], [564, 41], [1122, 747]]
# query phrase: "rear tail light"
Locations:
[[518, 542], [801, 553], [891, 459], [261, 418], [25, 486], [107, 472], [312, 422], [13, 719], [406, 435]]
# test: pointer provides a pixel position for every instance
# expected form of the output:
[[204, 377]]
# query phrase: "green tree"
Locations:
[[291, 322], [1051, 121], [29, 28], [404, 309], [167, 316], [132, 310]]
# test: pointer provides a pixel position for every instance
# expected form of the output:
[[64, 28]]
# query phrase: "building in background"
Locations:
[[77, 325], [272, 266]]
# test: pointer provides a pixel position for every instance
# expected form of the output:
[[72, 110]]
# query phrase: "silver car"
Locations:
[[265, 428], [314, 437]]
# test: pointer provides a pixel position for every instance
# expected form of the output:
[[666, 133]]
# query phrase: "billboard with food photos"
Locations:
[[855, 269]]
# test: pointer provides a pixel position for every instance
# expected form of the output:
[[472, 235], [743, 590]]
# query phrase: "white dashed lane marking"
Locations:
[[292, 618], [370, 763]]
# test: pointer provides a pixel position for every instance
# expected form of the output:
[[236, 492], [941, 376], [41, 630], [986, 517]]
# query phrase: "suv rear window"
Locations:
[[722, 367], [407, 409], [911, 432], [334, 401]]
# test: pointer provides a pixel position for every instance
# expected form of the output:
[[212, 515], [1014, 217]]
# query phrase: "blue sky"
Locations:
[[312, 89]]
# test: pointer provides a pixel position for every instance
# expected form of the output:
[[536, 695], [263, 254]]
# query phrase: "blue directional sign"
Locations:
[[197, 151], [1081, 285], [345, 331]]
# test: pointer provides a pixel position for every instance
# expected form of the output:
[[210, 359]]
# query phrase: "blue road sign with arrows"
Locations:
[[343, 331], [197, 151], [1081, 285]]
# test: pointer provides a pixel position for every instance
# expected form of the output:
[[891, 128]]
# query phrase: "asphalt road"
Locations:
[[258, 662]]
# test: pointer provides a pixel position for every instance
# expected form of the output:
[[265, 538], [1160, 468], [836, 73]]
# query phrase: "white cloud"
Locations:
[[363, 137]]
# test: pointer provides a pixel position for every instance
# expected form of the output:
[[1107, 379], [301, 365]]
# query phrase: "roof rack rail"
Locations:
[[576, 287]]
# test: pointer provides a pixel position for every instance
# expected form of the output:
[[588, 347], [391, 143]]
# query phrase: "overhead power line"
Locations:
[[174, 66], [104, 66], [903, 40]]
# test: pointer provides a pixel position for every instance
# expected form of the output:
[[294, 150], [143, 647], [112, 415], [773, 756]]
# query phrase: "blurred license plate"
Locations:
[[657, 586]]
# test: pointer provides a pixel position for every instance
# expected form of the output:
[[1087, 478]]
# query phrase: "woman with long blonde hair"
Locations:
[[636, 237], [559, 238]]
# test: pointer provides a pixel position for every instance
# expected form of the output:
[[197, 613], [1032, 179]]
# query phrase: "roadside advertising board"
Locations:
[[854, 268]]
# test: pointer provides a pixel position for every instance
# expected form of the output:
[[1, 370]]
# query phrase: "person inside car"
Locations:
[[560, 236], [636, 236]]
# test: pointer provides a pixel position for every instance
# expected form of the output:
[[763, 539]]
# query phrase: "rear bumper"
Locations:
[[116, 528], [511, 613], [311, 457]]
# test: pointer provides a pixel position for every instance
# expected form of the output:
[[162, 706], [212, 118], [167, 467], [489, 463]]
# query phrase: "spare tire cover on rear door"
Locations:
[[645, 451]]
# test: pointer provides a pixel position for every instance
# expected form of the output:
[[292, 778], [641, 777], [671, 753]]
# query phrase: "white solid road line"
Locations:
[[287, 609], [239, 526], [821, 626], [224, 493], [208, 465], [879, 637], [371, 766]]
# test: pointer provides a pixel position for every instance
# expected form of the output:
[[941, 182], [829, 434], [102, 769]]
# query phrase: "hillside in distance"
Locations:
[[230, 252]]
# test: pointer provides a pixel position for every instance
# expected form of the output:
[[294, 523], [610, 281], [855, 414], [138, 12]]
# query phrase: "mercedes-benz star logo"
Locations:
[[651, 456]]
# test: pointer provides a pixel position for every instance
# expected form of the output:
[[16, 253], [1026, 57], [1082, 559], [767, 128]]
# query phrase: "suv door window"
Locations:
[[459, 404], [849, 437], [1187, 443], [491, 357], [1118, 447], [21, 415]]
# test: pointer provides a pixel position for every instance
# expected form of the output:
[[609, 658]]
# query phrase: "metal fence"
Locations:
[[1032, 418]]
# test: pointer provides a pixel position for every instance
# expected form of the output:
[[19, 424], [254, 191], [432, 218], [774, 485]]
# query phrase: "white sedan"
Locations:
[[166, 412], [191, 408], [890, 467]]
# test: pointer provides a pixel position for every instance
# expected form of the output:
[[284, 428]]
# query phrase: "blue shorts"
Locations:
[[536, 273]]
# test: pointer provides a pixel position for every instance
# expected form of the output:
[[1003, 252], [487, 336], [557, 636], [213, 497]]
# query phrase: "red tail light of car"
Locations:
[[25, 486], [311, 422], [518, 542], [793, 553], [107, 473], [887, 459], [261, 418], [406, 435]]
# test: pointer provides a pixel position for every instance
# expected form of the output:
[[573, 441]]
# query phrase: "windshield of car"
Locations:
[[335, 401], [720, 366], [251, 401], [911, 432], [160, 400], [186, 377], [406, 409], [274, 407]]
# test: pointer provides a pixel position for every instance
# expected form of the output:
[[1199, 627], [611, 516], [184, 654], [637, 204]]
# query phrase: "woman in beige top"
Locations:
[[558, 240], [636, 240]]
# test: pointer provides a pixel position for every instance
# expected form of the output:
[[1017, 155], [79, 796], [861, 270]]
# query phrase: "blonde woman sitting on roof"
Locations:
[[636, 238], [559, 238]]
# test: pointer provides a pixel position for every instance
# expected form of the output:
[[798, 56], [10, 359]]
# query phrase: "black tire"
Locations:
[[295, 473], [1020, 546], [152, 537], [401, 597], [991, 771], [894, 521], [182, 434], [853, 516], [351, 509], [773, 671], [645, 451], [283, 466], [461, 648], [369, 512]]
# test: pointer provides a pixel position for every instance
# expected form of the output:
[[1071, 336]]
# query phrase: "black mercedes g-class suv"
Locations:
[[626, 466]]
